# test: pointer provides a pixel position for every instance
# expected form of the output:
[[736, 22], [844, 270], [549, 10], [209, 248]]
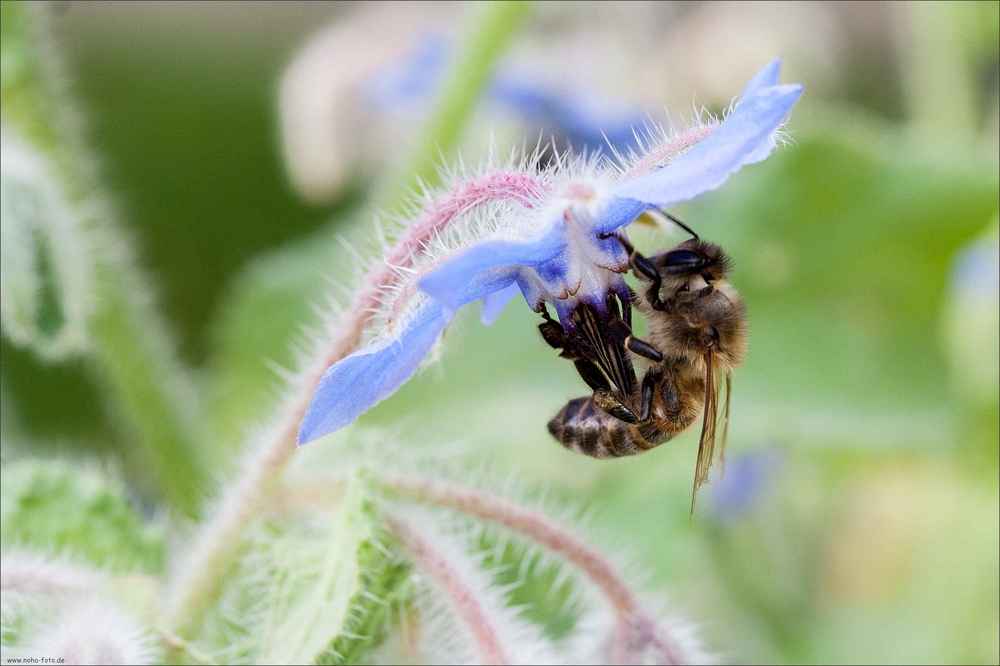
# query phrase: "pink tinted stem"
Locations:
[[636, 630], [461, 595], [219, 538]]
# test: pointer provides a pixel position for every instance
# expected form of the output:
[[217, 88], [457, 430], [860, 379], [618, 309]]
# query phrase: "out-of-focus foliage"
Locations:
[[45, 275], [310, 592], [79, 244], [76, 512], [857, 516]]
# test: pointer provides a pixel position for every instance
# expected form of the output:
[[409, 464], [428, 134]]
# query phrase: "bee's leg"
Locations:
[[648, 386], [644, 269], [611, 404], [592, 375], [555, 335], [625, 298], [637, 346], [643, 348]]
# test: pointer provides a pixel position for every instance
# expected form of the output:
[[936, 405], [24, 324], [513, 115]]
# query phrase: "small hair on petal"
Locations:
[[450, 283], [709, 164]]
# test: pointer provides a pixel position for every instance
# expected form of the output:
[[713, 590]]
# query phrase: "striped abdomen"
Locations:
[[583, 427]]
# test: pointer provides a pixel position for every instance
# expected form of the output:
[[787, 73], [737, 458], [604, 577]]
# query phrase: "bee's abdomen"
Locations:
[[583, 427]]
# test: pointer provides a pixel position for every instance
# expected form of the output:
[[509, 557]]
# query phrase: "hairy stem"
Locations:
[[151, 396], [31, 572], [218, 540], [459, 593], [636, 629]]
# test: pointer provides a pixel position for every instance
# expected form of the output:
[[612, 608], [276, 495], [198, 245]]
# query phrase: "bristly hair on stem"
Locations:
[[218, 540], [633, 632], [637, 632], [456, 585]]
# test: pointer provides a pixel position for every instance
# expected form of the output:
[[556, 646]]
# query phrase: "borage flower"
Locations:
[[547, 234]]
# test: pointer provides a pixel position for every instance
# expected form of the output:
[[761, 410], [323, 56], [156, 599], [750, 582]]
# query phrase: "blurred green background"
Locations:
[[858, 517]]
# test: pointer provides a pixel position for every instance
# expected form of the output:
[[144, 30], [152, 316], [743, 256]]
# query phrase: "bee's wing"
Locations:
[[710, 415], [725, 422], [610, 354]]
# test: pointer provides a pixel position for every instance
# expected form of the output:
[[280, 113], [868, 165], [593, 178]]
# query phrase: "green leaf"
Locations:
[[331, 615], [56, 506]]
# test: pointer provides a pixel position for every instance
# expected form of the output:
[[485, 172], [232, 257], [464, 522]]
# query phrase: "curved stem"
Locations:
[[150, 393], [637, 636], [219, 539], [459, 593], [636, 629]]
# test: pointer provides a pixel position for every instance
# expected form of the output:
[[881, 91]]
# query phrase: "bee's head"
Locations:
[[702, 310], [690, 267]]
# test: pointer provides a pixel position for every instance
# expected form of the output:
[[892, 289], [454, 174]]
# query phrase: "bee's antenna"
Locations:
[[680, 224]]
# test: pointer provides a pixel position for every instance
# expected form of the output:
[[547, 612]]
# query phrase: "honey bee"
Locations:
[[697, 336]]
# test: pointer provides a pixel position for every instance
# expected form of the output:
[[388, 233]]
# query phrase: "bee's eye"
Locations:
[[682, 259]]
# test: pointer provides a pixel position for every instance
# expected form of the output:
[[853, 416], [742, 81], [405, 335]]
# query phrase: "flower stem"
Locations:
[[183, 650], [636, 630], [218, 540], [151, 396], [493, 26], [135, 361], [462, 596]]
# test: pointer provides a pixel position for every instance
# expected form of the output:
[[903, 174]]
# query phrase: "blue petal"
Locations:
[[618, 212], [495, 302], [765, 78], [469, 276], [354, 384], [710, 162]]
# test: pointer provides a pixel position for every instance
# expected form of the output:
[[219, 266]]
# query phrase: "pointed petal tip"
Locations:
[[765, 78], [307, 430], [790, 91], [358, 382], [742, 138]]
